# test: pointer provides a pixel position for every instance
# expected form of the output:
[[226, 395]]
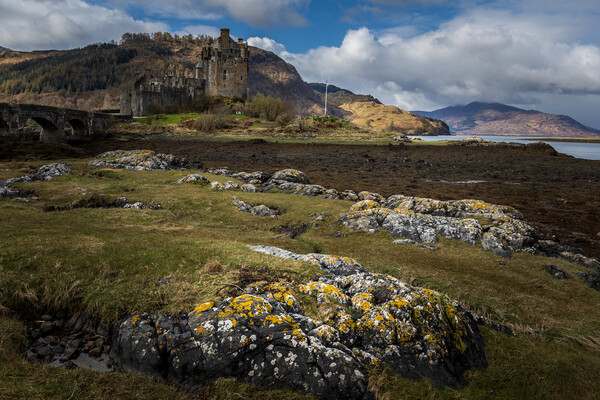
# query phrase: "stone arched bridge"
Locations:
[[84, 124]]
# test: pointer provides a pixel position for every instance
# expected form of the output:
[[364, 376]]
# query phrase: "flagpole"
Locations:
[[326, 84]]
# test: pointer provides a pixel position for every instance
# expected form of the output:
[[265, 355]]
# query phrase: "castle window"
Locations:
[[224, 75]]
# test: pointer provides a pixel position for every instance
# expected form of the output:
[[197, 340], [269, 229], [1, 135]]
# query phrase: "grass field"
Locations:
[[305, 130], [107, 261]]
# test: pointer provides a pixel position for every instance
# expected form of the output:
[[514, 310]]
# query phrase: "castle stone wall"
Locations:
[[221, 71]]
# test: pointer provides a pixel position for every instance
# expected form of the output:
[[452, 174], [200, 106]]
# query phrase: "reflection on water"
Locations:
[[588, 151]]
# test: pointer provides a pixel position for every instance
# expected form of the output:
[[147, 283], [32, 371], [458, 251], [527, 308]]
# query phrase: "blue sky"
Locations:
[[416, 54]]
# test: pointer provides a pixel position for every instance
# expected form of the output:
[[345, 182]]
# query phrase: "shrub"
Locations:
[[209, 123], [155, 108], [329, 121], [202, 103], [283, 119], [303, 124], [268, 108]]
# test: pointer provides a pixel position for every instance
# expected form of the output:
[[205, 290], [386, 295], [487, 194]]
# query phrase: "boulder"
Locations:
[[260, 210], [193, 178], [142, 160], [248, 187], [264, 337], [290, 175], [556, 272], [49, 171]]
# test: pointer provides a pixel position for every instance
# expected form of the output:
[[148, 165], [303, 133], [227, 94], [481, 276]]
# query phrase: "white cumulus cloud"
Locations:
[[266, 43], [60, 24], [485, 55]]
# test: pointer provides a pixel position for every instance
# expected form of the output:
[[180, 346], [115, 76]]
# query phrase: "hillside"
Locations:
[[499, 119], [272, 76], [368, 111], [391, 118], [92, 77], [4, 49]]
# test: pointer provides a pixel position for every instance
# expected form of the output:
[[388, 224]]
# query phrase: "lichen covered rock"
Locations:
[[290, 175], [425, 220], [193, 178], [44, 173], [260, 210], [265, 337], [142, 160]]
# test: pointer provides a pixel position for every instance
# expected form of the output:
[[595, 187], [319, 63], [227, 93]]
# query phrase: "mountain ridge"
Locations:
[[483, 119]]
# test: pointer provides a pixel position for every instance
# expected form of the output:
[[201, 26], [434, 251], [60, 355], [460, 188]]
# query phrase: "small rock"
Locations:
[[247, 187], [556, 272], [230, 185], [120, 202], [135, 206], [592, 279], [193, 178], [95, 352], [89, 346], [46, 326], [163, 281], [71, 352]]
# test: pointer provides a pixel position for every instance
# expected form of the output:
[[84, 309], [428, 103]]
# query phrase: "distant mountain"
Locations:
[[483, 119], [3, 49]]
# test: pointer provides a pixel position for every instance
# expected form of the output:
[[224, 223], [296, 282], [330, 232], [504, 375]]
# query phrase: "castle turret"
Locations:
[[242, 47], [224, 41]]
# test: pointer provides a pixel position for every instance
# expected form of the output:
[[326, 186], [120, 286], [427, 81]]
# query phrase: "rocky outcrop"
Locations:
[[423, 220], [142, 160], [260, 210], [266, 335], [556, 272], [44, 173], [193, 178]]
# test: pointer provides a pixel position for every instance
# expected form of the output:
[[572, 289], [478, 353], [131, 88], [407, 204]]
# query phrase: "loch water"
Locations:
[[587, 151]]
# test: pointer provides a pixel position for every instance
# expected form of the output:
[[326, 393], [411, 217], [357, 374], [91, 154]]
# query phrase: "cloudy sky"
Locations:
[[416, 54]]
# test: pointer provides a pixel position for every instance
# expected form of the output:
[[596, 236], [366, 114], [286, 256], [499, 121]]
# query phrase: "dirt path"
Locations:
[[559, 193]]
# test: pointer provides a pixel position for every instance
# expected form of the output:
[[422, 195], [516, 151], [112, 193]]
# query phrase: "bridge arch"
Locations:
[[79, 127], [50, 132]]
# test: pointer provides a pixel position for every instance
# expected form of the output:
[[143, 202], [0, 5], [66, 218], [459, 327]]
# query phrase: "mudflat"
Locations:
[[560, 193]]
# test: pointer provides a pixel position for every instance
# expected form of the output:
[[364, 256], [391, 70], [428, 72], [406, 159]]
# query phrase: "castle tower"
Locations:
[[224, 40]]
